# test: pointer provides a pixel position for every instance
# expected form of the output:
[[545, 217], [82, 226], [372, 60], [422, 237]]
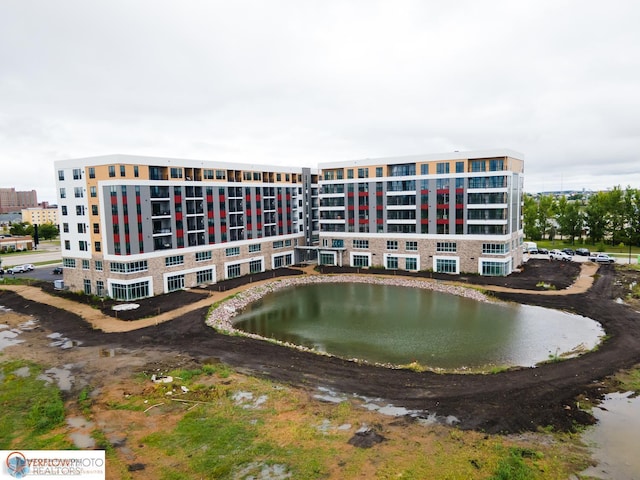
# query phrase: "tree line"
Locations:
[[46, 231], [611, 216]]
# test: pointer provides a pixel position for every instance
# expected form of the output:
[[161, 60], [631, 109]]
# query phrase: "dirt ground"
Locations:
[[170, 330]]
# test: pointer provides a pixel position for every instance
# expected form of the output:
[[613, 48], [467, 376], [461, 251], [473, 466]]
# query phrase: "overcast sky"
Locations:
[[300, 82]]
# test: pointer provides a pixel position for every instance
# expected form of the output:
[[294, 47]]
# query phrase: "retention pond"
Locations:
[[396, 325]]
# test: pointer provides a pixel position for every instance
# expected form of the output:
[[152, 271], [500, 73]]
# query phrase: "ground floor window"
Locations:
[[87, 286], [233, 271], [327, 259], [361, 261], [411, 263], [131, 291], [495, 269], [204, 276], [446, 265], [282, 260], [100, 288], [392, 263], [255, 266], [175, 283]]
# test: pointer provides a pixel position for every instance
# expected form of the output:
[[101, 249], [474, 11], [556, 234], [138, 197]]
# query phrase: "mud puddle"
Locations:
[[615, 438]]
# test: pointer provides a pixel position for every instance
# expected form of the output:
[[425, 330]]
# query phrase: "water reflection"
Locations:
[[392, 324]]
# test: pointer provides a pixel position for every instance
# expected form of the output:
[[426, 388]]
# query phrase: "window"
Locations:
[[94, 209], [278, 244], [96, 228], [327, 259], [459, 167], [495, 248], [445, 265], [411, 246], [112, 171], [85, 264], [337, 243], [349, 172], [392, 263], [87, 286], [100, 288], [69, 262], [361, 244], [63, 193], [363, 173], [123, 172], [83, 246], [496, 164], [79, 209], [77, 192], [233, 271], [93, 191], [64, 209], [378, 171], [256, 247], [174, 260], [411, 263], [392, 245], [424, 169], [82, 228], [255, 266], [202, 256], [92, 172], [232, 251], [450, 247], [361, 261], [65, 227], [67, 244], [99, 267], [495, 269], [131, 267], [175, 282], [176, 172], [97, 246], [478, 166], [61, 175], [131, 291], [136, 171], [204, 276], [77, 174], [442, 168]]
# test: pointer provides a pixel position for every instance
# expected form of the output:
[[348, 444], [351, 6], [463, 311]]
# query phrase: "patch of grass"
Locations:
[[30, 407], [85, 402], [546, 286], [629, 380], [514, 467]]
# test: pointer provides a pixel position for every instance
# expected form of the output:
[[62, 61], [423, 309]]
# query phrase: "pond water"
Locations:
[[397, 325]]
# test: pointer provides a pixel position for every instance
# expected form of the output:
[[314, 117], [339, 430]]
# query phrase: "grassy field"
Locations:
[[215, 423]]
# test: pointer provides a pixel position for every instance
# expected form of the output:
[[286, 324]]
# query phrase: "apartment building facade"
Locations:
[[133, 227], [40, 215], [453, 213]]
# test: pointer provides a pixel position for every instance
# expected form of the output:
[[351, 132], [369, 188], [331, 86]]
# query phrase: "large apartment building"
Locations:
[[455, 212], [133, 227]]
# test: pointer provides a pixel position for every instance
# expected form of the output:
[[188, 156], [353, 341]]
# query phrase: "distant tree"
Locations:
[[546, 206], [596, 218], [570, 218], [22, 228], [529, 218], [47, 231]]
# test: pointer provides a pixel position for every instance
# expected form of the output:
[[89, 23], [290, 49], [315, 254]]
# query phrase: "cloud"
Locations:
[[296, 83]]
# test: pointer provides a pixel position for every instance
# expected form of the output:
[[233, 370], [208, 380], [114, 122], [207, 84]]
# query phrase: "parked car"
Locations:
[[28, 267], [559, 255], [569, 251], [583, 252], [543, 251], [16, 269], [601, 258], [57, 271]]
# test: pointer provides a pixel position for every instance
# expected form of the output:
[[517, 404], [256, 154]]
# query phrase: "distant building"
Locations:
[[13, 201], [40, 215]]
